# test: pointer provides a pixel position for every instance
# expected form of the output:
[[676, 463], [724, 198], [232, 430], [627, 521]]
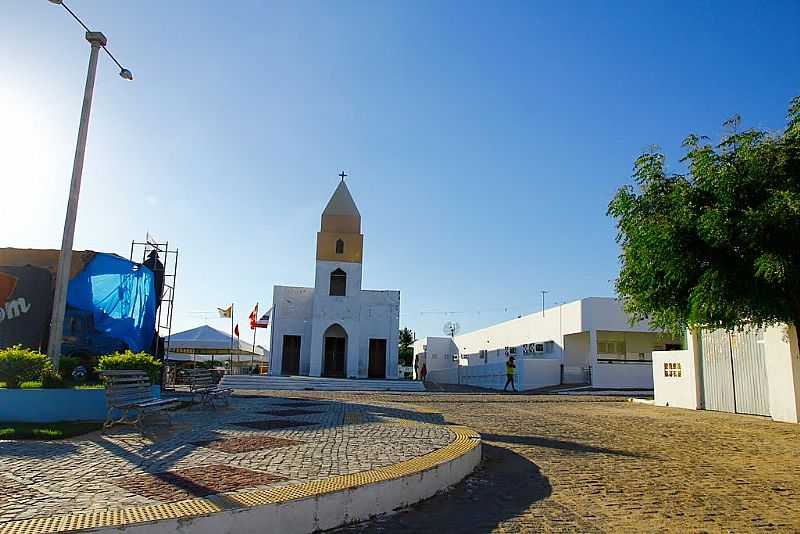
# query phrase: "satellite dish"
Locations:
[[451, 328]]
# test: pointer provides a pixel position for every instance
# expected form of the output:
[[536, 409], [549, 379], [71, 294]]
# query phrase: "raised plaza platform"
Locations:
[[265, 464]]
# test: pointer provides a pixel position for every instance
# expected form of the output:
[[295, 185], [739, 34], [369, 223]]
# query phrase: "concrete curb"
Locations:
[[298, 508]]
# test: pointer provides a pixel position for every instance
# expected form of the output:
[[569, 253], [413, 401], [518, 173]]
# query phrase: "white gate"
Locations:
[[733, 371]]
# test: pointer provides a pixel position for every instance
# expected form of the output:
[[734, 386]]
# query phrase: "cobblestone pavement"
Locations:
[[558, 464], [205, 452]]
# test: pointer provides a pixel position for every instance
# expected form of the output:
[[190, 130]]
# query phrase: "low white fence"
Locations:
[[631, 374], [531, 374]]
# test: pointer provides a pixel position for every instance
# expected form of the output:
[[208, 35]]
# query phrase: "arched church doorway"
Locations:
[[335, 352]]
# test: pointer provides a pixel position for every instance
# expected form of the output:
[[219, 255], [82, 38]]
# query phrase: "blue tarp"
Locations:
[[121, 296]]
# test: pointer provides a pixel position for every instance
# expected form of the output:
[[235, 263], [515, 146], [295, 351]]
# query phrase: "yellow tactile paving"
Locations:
[[465, 440]]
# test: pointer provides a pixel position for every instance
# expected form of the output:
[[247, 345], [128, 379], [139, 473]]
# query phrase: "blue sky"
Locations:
[[483, 140]]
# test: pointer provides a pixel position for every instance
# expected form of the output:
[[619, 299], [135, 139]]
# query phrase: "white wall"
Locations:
[[344, 311], [380, 319], [438, 355], [622, 375], [604, 313], [533, 328], [291, 316], [538, 373], [531, 374], [783, 373], [675, 391], [444, 376]]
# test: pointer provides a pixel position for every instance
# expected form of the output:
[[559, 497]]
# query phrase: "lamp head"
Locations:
[[56, 2], [125, 73]]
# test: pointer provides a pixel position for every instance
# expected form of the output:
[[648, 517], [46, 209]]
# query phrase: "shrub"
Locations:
[[67, 364], [140, 361], [52, 380], [19, 365], [30, 384]]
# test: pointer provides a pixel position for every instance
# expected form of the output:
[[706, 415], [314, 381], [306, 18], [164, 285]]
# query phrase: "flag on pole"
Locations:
[[236, 330], [226, 312], [254, 317], [264, 321]]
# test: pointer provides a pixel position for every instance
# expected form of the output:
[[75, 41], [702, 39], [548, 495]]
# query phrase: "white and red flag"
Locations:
[[254, 317], [263, 322]]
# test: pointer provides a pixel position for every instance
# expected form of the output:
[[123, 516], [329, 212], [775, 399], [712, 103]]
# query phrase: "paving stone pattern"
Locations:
[[246, 444], [208, 450], [576, 464], [194, 482], [288, 413], [272, 424]]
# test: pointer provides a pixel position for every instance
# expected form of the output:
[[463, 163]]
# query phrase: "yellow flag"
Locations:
[[226, 312]]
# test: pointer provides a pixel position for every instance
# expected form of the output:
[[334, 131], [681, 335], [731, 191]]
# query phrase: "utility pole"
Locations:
[[97, 41], [543, 292]]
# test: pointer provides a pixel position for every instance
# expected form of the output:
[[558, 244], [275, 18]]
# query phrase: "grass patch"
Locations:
[[36, 384], [60, 430]]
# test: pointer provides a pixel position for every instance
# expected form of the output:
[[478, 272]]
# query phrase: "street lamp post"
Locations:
[[97, 40]]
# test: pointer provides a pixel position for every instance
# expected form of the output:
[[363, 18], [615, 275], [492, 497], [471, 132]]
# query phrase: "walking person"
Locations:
[[423, 372], [510, 368]]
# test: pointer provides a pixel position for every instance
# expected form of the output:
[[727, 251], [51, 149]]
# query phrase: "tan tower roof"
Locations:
[[341, 213], [341, 203]]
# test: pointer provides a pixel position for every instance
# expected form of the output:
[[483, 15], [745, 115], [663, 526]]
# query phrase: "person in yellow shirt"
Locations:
[[510, 368]]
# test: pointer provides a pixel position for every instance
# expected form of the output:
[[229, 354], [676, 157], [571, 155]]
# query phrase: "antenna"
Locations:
[[451, 328]]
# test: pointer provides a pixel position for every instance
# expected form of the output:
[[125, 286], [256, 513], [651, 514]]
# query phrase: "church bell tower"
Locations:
[[335, 332], [340, 238]]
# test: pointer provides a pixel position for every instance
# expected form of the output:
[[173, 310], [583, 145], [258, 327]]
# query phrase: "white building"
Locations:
[[589, 341], [753, 371], [335, 328]]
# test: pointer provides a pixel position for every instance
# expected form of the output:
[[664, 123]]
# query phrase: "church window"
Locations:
[[338, 283], [339, 246]]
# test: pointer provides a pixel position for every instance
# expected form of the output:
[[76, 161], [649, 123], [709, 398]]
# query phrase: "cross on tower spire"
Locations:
[[343, 175]]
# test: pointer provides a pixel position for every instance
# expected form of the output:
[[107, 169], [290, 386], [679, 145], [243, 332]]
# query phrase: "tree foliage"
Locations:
[[719, 245], [406, 351]]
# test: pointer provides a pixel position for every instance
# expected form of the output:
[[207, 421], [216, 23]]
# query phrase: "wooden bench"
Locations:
[[203, 386], [130, 392]]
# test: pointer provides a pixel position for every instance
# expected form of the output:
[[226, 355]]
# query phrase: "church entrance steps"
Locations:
[[312, 383]]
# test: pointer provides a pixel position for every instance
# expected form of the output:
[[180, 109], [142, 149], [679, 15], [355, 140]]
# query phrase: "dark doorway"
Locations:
[[291, 355], [335, 352], [377, 358]]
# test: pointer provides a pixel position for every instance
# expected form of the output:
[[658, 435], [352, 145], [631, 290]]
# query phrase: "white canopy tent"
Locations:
[[205, 343]]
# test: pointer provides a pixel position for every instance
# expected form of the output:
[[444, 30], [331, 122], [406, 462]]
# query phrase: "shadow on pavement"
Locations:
[[503, 486], [571, 446]]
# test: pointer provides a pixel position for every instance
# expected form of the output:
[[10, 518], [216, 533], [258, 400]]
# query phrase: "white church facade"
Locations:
[[336, 328]]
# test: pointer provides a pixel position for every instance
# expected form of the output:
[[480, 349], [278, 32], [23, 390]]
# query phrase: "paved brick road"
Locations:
[[574, 464]]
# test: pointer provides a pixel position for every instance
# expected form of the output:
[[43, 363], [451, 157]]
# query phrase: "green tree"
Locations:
[[406, 351], [718, 245]]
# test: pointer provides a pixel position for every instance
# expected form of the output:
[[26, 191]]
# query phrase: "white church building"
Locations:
[[336, 328]]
